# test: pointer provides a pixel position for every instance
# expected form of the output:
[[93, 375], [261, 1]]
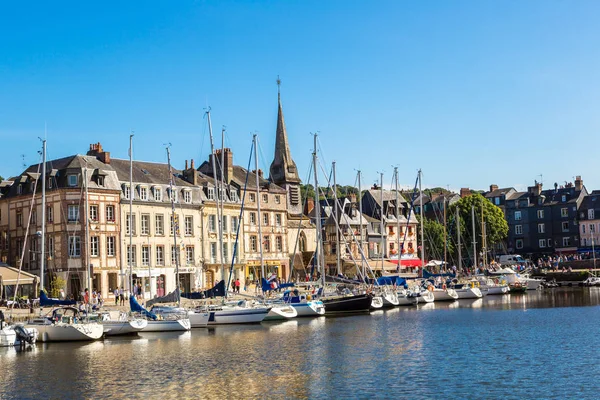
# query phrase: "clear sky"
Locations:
[[472, 92]]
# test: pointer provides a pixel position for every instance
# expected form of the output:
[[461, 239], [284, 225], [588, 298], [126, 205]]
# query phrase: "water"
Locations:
[[537, 345]]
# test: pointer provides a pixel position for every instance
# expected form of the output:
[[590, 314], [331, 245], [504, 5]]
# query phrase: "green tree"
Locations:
[[434, 240], [56, 284], [1, 178], [496, 227]]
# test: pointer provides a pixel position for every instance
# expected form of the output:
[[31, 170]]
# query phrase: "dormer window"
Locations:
[[50, 183], [564, 198], [211, 193], [222, 194], [126, 191], [143, 193], [72, 180], [233, 195], [100, 180], [19, 189], [173, 195], [157, 194], [187, 196]]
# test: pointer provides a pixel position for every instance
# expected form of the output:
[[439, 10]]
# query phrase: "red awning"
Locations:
[[411, 262]]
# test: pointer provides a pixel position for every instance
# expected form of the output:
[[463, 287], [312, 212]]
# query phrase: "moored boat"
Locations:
[[347, 304], [66, 325]]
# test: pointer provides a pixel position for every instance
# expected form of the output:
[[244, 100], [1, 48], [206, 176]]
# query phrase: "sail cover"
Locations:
[[136, 307], [170, 298], [391, 280], [217, 291], [45, 301], [273, 285]]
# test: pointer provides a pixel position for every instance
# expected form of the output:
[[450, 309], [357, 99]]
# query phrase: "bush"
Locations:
[[56, 284]]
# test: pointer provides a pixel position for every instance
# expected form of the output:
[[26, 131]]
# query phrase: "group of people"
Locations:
[[235, 285], [94, 299], [119, 296]]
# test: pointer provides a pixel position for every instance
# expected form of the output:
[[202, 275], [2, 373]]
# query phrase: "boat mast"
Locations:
[[422, 221], [260, 238], [318, 211], [87, 236], [382, 245], [593, 251], [474, 238], [360, 211], [445, 232], [131, 192], [483, 239], [175, 226], [458, 239], [337, 219], [398, 249], [43, 249], [217, 194], [222, 202]]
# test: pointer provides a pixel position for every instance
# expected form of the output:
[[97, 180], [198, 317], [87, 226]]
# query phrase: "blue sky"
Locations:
[[472, 92]]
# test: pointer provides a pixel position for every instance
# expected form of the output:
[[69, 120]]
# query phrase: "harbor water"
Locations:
[[542, 344]]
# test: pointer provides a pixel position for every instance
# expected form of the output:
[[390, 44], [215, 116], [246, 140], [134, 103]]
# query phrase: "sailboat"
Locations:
[[64, 323]]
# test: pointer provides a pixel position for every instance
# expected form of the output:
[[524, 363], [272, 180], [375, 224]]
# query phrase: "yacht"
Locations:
[[66, 324]]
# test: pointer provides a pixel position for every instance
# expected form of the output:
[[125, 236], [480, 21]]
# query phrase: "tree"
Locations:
[[1, 178], [56, 284], [434, 240], [496, 227]]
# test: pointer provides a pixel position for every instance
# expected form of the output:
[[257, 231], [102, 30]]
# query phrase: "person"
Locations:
[[1, 320], [237, 285], [121, 296], [86, 296], [116, 293], [139, 291]]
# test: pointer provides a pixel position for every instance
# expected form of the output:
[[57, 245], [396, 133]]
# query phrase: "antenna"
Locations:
[[278, 86], [23, 158], [541, 178]]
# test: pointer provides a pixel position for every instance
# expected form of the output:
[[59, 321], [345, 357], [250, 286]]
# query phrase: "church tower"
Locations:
[[283, 171]]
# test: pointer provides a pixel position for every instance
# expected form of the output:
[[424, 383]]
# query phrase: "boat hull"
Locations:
[[168, 325], [347, 304], [198, 319], [238, 316], [68, 332], [445, 295], [469, 293], [497, 290], [115, 328], [390, 300], [281, 313], [310, 309], [9, 337], [424, 297]]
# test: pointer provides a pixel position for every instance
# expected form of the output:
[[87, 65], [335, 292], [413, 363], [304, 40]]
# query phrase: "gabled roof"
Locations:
[[147, 172], [388, 195], [498, 192]]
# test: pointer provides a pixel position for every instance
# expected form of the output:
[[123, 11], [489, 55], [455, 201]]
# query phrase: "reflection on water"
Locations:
[[449, 349]]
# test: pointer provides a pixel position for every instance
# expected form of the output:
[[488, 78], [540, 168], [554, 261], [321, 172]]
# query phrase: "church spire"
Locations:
[[283, 168]]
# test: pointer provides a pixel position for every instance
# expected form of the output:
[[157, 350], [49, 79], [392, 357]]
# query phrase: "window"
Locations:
[[143, 193], [174, 224], [33, 217], [74, 246], [252, 218], [591, 214], [582, 228], [222, 194], [94, 246], [126, 191], [130, 224], [131, 255], [212, 223], [159, 221], [566, 241], [541, 228], [174, 255], [94, 213], [145, 228], [213, 252], [252, 197], [160, 255], [279, 243], [266, 219], [517, 215], [278, 221], [187, 196], [540, 214], [19, 189], [277, 199], [110, 213], [157, 194], [173, 195], [110, 246], [518, 229], [265, 198], [563, 198], [73, 213], [584, 242], [542, 243], [266, 244], [189, 255], [565, 226], [50, 183], [19, 218], [100, 180], [224, 223], [234, 224], [50, 247], [72, 180], [189, 225], [211, 193], [549, 242], [145, 256], [519, 243], [225, 251], [564, 212], [497, 201], [253, 243], [592, 228], [233, 195]]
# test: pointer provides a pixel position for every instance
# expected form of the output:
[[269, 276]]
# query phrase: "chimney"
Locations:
[[464, 192], [578, 183], [493, 187], [192, 164], [186, 165], [228, 165], [536, 189], [97, 151], [260, 173], [310, 205]]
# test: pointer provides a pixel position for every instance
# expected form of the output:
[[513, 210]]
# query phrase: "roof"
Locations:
[[498, 192], [147, 172], [239, 177]]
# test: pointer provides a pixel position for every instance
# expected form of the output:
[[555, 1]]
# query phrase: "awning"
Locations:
[[409, 262], [10, 275], [391, 265]]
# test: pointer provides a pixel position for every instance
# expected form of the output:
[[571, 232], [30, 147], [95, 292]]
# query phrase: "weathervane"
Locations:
[[278, 86]]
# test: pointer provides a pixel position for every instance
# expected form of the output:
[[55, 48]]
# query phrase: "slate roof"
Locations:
[[147, 172]]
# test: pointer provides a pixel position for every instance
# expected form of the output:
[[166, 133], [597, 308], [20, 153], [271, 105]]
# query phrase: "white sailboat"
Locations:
[[119, 323]]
